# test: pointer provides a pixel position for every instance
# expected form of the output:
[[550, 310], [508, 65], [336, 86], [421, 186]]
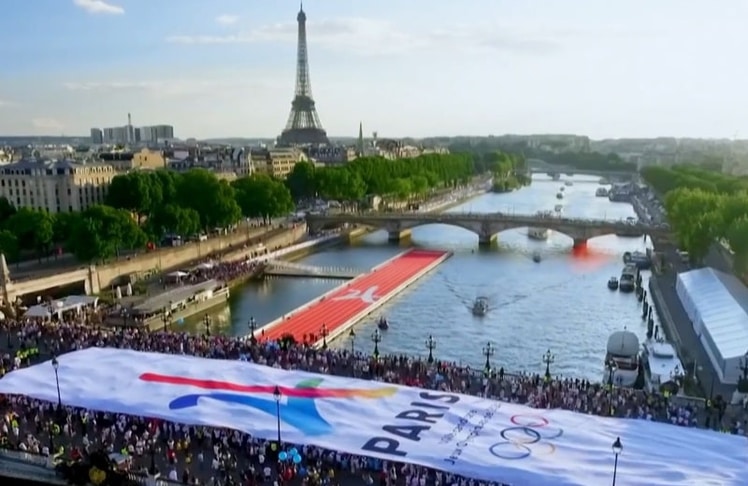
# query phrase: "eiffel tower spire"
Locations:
[[303, 126]]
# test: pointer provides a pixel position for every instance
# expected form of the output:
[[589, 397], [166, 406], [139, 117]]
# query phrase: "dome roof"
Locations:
[[623, 343]]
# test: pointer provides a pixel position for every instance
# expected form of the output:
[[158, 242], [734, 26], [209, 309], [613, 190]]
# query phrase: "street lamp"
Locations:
[[352, 337], [55, 366], [617, 449], [430, 345], [744, 366], [252, 338], [165, 318], [277, 396], [548, 358], [612, 367], [488, 351], [376, 338], [324, 333], [206, 323]]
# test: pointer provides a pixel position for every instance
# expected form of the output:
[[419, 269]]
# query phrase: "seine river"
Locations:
[[561, 303]]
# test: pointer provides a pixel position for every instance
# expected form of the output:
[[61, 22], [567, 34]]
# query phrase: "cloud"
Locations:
[[46, 123], [379, 37], [226, 19], [99, 7], [166, 87]]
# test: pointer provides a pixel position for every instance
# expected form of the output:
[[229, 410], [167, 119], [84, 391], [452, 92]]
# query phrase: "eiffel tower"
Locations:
[[303, 126]]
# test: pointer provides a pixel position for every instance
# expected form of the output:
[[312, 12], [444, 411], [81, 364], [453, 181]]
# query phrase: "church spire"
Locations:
[[360, 147]]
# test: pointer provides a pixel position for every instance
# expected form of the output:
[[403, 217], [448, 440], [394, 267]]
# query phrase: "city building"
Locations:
[[227, 163], [129, 134], [55, 185], [97, 136], [144, 159], [277, 162]]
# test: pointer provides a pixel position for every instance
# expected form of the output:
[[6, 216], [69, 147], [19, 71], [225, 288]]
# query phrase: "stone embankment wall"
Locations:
[[230, 247]]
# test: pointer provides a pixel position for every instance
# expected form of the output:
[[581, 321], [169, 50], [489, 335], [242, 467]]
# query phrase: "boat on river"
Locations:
[[480, 306], [568, 183], [538, 233], [622, 359], [536, 257], [613, 283], [662, 367], [560, 195], [383, 324], [601, 192], [627, 282]]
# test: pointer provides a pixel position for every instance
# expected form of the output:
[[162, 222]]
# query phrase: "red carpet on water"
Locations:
[[356, 296]]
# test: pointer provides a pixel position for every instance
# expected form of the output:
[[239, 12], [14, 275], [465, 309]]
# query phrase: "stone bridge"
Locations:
[[486, 225], [537, 166]]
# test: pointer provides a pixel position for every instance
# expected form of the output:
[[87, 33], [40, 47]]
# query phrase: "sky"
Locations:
[[226, 68]]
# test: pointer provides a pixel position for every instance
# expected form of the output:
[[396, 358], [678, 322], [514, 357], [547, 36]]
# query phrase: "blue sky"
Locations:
[[617, 68]]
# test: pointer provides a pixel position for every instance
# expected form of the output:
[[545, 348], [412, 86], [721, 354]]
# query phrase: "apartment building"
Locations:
[[276, 162], [55, 185], [144, 159]]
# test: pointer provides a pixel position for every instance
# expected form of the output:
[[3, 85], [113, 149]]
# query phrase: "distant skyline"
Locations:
[[419, 68]]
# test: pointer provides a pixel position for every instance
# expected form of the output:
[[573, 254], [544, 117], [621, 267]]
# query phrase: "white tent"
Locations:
[[38, 311], [717, 304], [177, 274], [206, 266]]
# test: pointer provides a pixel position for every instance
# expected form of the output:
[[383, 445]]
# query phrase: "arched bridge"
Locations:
[[485, 225]]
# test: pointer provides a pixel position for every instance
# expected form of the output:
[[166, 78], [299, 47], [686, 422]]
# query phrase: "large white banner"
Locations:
[[462, 434]]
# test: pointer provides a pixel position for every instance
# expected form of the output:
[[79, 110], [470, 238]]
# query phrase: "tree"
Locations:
[[172, 219], [260, 196], [33, 229], [302, 181], [139, 192], [6, 210], [103, 231], [63, 226], [8, 245], [213, 200]]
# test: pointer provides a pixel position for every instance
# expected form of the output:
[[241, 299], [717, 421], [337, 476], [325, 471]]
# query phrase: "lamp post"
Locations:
[[548, 358], [612, 367], [324, 333], [165, 318], [488, 351], [352, 338], [430, 345], [251, 324], [744, 366], [206, 323], [56, 366], [376, 338], [617, 449], [277, 396]]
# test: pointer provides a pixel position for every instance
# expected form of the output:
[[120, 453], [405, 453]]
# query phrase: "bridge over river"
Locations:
[[486, 226]]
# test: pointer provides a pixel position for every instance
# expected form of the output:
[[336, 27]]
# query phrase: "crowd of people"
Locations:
[[201, 455]]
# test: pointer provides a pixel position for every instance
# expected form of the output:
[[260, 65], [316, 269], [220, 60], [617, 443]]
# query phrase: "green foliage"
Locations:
[[260, 196], [142, 206], [401, 179], [101, 232], [704, 206]]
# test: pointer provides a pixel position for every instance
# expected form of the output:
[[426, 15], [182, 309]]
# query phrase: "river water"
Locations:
[[562, 303]]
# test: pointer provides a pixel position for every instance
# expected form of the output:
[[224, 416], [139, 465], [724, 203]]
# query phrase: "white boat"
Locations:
[[480, 306], [538, 233], [627, 282], [661, 366], [622, 359]]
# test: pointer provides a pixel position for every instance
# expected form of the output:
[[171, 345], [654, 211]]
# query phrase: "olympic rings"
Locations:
[[528, 430]]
